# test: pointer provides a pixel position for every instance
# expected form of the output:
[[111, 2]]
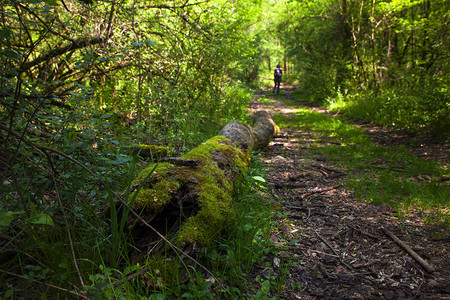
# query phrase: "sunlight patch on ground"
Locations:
[[286, 110]]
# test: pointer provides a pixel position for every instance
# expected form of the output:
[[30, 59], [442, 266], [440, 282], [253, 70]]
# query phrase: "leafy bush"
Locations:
[[419, 110]]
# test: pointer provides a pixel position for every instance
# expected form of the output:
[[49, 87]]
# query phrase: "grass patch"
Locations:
[[247, 242], [377, 173], [416, 109]]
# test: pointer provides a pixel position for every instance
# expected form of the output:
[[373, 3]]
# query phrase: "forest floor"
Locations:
[[332, 245]]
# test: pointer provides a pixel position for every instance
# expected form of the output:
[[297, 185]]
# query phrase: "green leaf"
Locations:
[[11, 54], [43, 219], [247, 227], [293, 242], [131, 269], [13, 72], [5, 33], [150, 43], [7, 216], [8, 294], [72, 135], [33, 212], [258, 178], [136, 44], [265, 287]]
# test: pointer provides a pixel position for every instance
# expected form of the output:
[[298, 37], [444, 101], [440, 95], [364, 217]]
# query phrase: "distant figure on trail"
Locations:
[[277, 74]]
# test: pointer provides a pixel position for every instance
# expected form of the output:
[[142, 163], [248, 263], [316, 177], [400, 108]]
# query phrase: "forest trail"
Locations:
[[332, 244]]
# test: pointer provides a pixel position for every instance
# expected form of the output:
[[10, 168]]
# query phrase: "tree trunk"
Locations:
[[191, 202]]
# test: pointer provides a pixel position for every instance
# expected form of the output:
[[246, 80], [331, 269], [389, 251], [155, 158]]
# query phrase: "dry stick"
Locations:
[[329, 246], [47, 284], [311, 250], [364, 233], [420, 260], [309, 214], [41, 148], [320, 191]]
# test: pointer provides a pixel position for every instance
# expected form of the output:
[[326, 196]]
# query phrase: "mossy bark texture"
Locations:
[[192, 203]]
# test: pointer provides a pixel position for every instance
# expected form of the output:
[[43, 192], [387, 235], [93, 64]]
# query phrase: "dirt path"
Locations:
[[334, 246]]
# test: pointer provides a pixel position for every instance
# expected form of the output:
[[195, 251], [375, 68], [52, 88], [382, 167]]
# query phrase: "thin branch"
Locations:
[[110, 20], [420, 260], [69, 235], [318, 191], [74, 45], [364, 233], [172, 7], [48, 27], [331, 248], [42, 148], [38, 96], [47, 284]]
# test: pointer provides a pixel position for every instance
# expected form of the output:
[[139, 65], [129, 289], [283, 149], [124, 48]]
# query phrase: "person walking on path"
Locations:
[[277, 74]]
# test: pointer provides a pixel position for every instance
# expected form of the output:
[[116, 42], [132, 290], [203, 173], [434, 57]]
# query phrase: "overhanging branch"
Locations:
[[76, 44]]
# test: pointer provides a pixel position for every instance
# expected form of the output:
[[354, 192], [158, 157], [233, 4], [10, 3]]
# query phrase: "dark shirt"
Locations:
[[277, 79], [275, 71]]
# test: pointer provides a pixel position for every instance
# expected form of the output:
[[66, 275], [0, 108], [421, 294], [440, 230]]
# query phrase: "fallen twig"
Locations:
[[46, 284], [420, 260], [69, 234], [331, 248], [309, 214], [288, 185], [364, 233], [317, 191], [311, 250]]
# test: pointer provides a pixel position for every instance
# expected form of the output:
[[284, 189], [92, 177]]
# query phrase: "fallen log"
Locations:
[[192, 202]]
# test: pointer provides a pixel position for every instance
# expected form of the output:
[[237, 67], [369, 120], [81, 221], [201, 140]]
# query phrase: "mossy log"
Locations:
[[192, 203]]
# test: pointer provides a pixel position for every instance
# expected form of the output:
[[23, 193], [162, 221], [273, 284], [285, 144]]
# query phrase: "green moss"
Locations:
[[221, 144], [157, 197], [161, 169], [277, 129], [153, 151], [212, 188], [203, 151], [214, 191], [162, 187], [216, 213]]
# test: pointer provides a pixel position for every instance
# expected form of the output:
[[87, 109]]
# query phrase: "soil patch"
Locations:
[[332, 243]]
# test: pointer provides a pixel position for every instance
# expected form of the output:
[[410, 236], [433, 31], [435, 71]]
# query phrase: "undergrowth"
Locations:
[[425, 110], [56, 238], [377, 173], [44, 266]]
